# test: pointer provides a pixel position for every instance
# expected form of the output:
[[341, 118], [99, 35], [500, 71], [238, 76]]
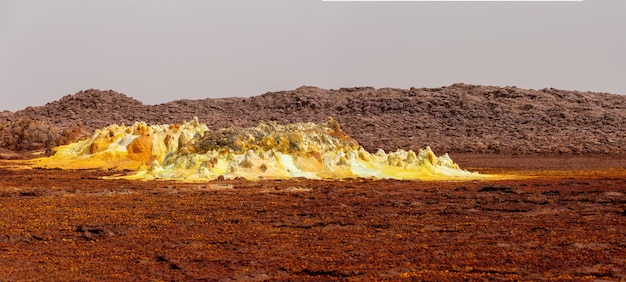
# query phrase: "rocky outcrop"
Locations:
[[27, 134], [456, 118]]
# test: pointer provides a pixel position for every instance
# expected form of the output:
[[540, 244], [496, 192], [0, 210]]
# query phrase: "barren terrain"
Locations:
[[458, 118], [567, 221], [563, 218]]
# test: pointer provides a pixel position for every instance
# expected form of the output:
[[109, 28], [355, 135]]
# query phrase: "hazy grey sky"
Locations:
[[157, 51]]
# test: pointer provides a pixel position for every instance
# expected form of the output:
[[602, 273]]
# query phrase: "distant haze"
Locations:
[[158, 51]]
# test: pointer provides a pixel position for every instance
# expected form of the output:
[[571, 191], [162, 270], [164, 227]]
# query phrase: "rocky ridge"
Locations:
[[457, 118]]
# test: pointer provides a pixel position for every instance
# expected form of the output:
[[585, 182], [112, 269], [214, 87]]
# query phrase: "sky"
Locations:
[[157, 51]]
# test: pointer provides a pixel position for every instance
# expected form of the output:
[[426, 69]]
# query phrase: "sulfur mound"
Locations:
[[191, 151]]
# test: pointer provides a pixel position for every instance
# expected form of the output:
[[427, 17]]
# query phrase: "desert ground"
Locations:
[[562, 217], [565, 219]]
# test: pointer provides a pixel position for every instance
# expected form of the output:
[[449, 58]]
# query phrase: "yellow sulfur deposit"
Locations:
[[190, 151]]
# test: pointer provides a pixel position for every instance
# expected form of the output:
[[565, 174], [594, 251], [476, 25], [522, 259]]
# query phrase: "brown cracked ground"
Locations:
[[566, 221]]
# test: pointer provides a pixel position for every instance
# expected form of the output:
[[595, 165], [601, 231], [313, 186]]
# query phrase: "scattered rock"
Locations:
[[93, 232], [457, 118], [496, 189]]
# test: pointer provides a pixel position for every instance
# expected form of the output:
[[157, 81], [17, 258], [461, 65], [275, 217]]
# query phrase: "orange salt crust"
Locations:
[[567, 220]]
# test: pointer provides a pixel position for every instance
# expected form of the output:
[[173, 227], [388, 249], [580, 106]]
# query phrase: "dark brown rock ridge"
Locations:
[[456, 118]]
